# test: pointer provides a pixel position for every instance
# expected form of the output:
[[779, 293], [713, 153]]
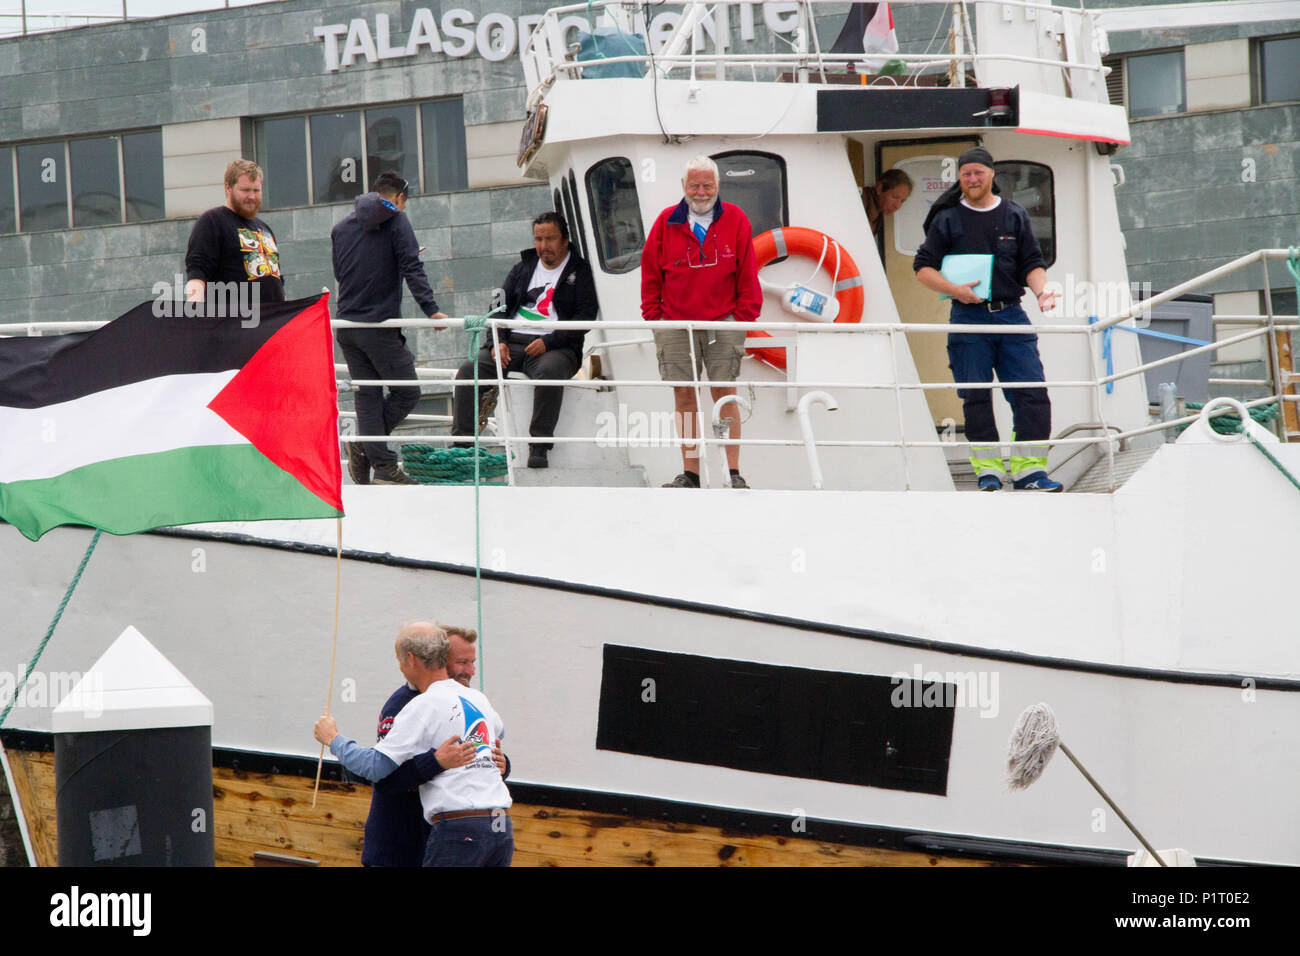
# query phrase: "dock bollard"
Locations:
[[133, 763]]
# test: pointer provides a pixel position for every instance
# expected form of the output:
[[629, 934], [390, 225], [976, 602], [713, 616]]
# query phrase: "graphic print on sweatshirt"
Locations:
[[261, 255]]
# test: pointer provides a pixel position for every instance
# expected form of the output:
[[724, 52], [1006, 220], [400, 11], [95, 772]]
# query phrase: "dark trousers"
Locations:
[[379, 354], [471, 841], [553, 363], [974, 358]]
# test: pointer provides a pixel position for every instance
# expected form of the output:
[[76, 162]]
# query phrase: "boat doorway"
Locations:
[[933, 167]]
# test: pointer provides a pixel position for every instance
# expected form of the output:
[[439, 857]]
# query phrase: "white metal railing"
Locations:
[[1267, 325], [547, 58]]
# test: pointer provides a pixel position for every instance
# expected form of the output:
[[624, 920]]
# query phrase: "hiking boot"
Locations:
[[682, 481], [358, 464], [392, 474], [990, 483], [1038, 481], [487, 404], [738, 482], [537, 457]]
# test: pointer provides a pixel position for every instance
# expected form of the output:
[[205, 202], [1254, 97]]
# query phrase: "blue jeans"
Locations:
[[471, 841], [974, 358]]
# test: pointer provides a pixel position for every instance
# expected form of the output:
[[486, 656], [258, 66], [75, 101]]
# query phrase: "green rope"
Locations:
[[433, 465], [67, 596], [476, 325], [1230, 424], [1276, 464]]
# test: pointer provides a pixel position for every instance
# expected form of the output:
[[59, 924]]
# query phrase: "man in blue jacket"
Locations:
[[374, 249], [972, 219]]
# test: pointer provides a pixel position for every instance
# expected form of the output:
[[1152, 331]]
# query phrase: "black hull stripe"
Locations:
[[1236, 681], [138, 346], [730, 821]]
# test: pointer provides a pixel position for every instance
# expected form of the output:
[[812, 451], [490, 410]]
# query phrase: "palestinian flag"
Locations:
[[150, 422], [869, 28]]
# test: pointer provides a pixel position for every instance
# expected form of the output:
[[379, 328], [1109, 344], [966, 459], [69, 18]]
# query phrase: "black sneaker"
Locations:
[[537, 457], [392, 474], [682, 481], [358, 464], [738, 482]]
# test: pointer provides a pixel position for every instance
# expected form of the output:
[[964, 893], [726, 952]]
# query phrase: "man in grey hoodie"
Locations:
[[374, 249]]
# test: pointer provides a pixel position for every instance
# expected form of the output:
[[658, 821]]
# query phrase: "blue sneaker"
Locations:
[[990, 483], [1038, 481]]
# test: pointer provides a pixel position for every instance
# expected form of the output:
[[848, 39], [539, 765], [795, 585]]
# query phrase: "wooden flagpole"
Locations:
[[334, 652]]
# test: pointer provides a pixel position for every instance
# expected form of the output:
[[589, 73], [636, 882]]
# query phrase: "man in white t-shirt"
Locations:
[[550, 282], [468, 805]]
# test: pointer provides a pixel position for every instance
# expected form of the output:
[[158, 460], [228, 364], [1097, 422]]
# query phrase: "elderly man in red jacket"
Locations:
[[698, 264]]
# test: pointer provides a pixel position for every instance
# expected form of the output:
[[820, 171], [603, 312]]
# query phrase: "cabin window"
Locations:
[[570, 214], [579, 232], [1156, 84], [756, 183], [1030, 184], [616, 215], [1279, 70]]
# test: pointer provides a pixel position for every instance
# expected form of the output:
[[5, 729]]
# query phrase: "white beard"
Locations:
[[702, 207]]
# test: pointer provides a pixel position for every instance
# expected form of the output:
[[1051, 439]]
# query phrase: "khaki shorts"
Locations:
[[717, 351]]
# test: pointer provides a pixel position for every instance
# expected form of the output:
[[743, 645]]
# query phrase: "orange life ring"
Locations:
[[801, 241]]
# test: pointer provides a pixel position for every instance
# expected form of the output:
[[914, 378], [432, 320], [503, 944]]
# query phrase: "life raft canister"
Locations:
[[834, 259]]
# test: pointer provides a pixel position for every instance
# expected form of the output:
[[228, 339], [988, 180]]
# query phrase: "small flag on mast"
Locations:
[[869, 28]]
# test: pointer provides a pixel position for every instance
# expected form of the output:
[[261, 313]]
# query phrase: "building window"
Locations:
[[42, 186], [282, 154], [1279, 70], [756, 183], [334, 157], [94, 181], [615, 215], [1156, 84], [1030, 185], [142, 174], [8, 220], [445, 168]]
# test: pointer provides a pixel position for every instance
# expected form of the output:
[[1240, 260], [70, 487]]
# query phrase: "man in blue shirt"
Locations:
[[972, 219]]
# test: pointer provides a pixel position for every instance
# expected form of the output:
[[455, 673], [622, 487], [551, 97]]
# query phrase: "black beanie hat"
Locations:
[[976, 154]]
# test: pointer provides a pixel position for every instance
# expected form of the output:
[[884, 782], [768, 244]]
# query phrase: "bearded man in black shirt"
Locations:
[[234, 251], [971, 219]]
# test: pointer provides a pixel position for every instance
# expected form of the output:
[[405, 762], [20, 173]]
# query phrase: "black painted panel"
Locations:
[[875, 108], [792, 721]]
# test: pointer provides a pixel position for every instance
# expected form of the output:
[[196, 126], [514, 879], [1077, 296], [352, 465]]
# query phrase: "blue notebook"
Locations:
[[961, 269]]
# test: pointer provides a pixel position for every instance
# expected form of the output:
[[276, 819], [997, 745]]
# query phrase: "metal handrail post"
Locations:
[[1101, 414], [503, 402], [898, 409], [1274, 358], [700, 457]]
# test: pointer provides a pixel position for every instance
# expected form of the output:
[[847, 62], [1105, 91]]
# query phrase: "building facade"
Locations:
[[114, 137]]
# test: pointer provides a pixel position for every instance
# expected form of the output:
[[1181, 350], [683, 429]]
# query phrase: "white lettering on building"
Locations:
[[496, 36]]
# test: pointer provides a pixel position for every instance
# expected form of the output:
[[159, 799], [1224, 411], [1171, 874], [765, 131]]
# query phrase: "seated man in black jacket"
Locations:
[[549, 282], [374, 249]]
